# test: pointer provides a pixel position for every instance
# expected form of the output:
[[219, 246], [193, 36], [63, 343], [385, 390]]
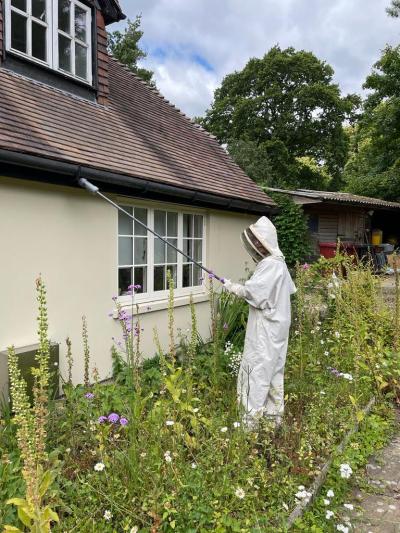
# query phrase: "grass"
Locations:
[[181, 461]]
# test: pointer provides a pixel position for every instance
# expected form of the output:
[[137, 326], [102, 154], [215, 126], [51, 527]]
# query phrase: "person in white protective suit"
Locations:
[[268, 291]]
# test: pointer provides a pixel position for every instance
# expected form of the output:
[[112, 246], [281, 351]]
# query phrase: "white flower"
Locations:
[[143, 454], [322, 392], [167, 456], [337, 334], [326, 353], [285, 506], [330, 285], [347, 376], [236, 424], [239, 493], [331, 295], [301, 487], [134, 529], [169, 423], [322, 341], [99, 467], [194, 465], [224, 429], [349, 506], [297, 332], [342, 528], [312, 332], [303, 495], [327, 502], [329, 514], [330, 493], [196, 410], [345, 471], [107, 515]]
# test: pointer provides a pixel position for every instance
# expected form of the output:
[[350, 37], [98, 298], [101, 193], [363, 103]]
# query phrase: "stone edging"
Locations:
[[319, 480]]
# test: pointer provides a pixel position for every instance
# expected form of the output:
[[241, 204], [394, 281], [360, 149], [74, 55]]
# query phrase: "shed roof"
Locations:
[[339, 197], [139, 134]]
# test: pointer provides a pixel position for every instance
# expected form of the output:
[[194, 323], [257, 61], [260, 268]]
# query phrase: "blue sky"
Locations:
[[193, 44]]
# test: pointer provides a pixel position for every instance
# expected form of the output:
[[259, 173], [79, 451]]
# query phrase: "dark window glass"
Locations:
[[140, 250], [39, 44], [64, 16], [124, 222], [187, 225], [80, 24], [197, 276], [124, 279], [187, 275], [18, 32], [19, 4], [159, 278], [141, 279], [81, 61], [313, 223], [140, 214], [39, 9], [188, 248], [64, 53]]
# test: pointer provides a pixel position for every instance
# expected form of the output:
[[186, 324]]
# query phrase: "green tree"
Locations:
[[373, 167], [287, 106], [125, 47], [394, 9]]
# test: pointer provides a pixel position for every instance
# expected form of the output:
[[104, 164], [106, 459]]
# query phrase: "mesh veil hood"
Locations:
[[265, 232]]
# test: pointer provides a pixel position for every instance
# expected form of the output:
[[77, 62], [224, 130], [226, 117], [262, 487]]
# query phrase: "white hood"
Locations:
[[265, 232]]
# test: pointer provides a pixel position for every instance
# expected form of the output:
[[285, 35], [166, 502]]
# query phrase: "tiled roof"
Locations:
[[345, 197], [138, 134]]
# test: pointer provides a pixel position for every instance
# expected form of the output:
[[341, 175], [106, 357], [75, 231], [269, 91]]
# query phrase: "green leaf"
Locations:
[[24, 516], [19, 502], [47, 480], [51, 515]]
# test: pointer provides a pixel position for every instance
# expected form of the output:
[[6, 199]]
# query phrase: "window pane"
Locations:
[[172, 255], [124, 280], [140, 214], [159, 278], [140, 251], [141, 278], [18, 32], [187, 225], [64, 16], [19, 4], [125, 250], [39, 9], [81, 61], [64, 53], [172, 224], [173, 269], [39, 44], [160, 222], [124, 222], [197, 276], [198, 226], [188, 249], [187, 275], [159, 251], [198, 250], [80, 24]]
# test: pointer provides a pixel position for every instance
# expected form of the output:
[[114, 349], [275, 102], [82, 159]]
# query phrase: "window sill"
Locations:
[[150, 306]]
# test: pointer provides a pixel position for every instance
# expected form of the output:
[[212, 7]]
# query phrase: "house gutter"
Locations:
[[47, 170]]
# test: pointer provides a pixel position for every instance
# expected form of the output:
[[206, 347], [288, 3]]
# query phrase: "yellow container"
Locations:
[[377, 236]]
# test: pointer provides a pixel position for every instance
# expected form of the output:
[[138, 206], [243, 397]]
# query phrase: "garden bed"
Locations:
[[162, 448]]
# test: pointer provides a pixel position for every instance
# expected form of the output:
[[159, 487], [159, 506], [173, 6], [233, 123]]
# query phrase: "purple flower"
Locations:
[[102, 419], [89, 395], [113, 418], [225, 326], [123, 421], [211, 275], [115, 298]]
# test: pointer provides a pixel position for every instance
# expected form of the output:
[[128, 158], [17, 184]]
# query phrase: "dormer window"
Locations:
[[54, 33]]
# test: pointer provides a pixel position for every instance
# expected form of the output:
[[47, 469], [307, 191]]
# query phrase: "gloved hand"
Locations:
[[228, 285]]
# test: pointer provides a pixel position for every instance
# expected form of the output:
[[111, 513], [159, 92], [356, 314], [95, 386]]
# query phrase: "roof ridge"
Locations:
[[154, 89]]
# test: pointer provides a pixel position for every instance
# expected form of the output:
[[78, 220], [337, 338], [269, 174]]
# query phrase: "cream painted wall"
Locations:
[[70, 238]]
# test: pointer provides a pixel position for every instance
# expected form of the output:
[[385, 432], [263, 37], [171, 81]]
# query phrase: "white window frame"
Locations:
[[52, 36], [151, 295]]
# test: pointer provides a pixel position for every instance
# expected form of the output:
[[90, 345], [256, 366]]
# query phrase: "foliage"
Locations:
[[171, 454], [285, 106], [394, 9], [373, 167], [291, 225], [125, 47]]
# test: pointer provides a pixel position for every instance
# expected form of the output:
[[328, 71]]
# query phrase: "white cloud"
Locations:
[[180, 34]]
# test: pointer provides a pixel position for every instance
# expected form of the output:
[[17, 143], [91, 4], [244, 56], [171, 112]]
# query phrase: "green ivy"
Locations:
[[292, 228]]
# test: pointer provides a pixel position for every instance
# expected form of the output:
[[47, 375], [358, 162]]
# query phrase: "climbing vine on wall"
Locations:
[[292, 228]]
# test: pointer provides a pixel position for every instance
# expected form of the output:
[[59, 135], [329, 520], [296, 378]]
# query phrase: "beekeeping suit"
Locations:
[[260, 379]]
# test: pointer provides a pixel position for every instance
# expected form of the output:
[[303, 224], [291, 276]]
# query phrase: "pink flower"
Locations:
[[306, 266]]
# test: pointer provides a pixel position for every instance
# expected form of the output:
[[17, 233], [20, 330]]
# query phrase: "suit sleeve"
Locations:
[[262, 289]]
